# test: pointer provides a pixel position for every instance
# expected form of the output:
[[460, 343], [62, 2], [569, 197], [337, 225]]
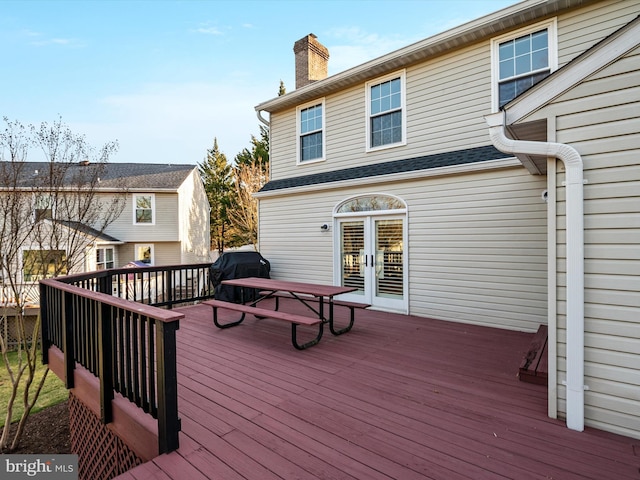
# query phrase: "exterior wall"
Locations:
[[193, 206], [437, 119], [600, 118], [166, 217], [476, 244], [165, 253]]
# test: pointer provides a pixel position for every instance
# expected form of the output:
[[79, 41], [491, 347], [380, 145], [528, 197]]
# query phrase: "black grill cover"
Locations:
[[232, 265]]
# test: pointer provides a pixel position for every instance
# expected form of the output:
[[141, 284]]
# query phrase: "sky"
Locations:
[[164, 78]]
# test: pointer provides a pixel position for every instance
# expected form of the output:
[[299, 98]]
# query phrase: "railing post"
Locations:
[[105, 361], [167, 381], [169, 277], [44, 324], [67, 339]]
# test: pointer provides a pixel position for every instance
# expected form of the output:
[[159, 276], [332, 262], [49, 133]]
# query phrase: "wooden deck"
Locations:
[[398, 397]]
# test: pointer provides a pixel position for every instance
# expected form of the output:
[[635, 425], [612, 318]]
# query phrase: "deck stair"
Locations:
[[534, 366]]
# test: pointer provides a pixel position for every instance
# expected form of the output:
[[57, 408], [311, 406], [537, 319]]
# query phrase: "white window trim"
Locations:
[[139, 245], [402, 74], [552, 29], [299, 108], [153, 208], [105, 248]]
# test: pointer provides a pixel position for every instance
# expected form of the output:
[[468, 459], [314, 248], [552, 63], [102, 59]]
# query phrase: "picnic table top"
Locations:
[[315, 289]]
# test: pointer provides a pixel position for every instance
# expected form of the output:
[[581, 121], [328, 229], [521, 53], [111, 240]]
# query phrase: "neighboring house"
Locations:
[[165, 221], [387, 177]]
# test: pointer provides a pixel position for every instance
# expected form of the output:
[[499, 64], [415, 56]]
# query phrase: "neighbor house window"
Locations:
[[144, 209], [104, 258], [43, 208], [310, 132], [39, 264], [144, 253], [386, 111], [521, 60]]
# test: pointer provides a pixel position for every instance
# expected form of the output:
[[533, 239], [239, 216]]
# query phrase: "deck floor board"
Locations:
[[398, 397]]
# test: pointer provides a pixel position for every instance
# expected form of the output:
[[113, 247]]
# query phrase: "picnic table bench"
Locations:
[[292, 318], [305, 293], [352, 306]]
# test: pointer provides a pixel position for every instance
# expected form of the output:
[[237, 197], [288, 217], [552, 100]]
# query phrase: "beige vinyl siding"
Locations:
[[166, 221], [193, 207], [476, 244], [433, 94], [447, 98], [600, 119], [165, 253], [580, 29]]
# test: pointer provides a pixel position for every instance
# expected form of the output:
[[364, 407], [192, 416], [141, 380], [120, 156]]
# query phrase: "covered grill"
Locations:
[[232, 265]]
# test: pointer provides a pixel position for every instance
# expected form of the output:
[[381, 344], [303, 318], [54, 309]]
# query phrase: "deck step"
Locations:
[[534, 366]]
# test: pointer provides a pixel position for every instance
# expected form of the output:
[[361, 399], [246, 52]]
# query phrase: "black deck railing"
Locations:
[[109, 322]]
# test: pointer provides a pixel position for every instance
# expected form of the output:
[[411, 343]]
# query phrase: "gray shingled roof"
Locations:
[[87, 230], [147, 176], [459, 157]]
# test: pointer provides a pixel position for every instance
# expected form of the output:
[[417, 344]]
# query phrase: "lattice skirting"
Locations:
[[101, 453]]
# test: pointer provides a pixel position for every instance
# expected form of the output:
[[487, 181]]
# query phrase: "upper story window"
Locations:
[[43, 208], [310, 132], [522, 59], [144, 209], [386, 112]]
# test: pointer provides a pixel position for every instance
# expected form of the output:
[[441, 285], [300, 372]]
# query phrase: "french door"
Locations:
[[372, 259]]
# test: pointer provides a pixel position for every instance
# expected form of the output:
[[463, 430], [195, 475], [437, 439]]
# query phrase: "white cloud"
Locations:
[[208, 30]]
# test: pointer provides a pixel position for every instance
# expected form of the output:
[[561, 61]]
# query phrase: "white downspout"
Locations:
[[575, 255]]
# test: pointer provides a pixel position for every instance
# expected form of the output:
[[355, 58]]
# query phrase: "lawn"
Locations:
[[53, 392]]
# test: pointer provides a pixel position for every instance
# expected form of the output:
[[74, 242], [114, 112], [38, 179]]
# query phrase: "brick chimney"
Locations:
[[312, 59]]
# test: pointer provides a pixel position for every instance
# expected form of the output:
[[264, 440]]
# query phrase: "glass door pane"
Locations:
[[352, 255], [389, 260]]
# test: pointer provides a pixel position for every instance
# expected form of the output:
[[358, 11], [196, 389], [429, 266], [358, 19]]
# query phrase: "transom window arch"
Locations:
[[376, 203]]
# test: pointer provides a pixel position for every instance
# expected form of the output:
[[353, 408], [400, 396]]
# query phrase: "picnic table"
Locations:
[[318, 298]]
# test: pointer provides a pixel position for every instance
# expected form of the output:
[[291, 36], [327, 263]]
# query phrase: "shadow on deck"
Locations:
[[398, 397]]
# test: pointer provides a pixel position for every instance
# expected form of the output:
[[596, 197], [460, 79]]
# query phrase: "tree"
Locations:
[[250, 174], [282, 90], [218, 183], [259, 151], [248, 179], [51, 212]]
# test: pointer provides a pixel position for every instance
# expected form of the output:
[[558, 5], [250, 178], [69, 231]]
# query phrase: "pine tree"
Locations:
[[218, 183]]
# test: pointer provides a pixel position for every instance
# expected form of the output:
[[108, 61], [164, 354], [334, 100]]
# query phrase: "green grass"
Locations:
[[53, 392]]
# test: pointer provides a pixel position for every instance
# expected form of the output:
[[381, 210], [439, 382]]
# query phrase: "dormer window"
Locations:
[[310, 119], [386, 112], [521, 60]]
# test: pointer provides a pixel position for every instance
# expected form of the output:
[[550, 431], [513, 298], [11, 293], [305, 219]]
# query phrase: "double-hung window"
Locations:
[[310, 132], [521, 60], [386, 112], [144, 209]]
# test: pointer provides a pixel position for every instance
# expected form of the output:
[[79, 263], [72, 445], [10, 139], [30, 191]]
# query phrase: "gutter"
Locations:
[[575, 254]]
